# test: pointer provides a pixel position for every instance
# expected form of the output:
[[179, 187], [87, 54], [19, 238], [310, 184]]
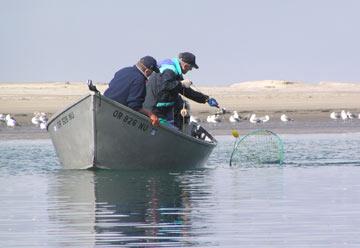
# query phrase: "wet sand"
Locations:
[[308, 104]]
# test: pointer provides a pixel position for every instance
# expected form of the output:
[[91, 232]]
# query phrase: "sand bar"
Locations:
[[22, 98], [302, 101]]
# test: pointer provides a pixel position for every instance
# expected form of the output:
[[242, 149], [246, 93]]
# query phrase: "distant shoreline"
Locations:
[[308, 104], [300, 100]]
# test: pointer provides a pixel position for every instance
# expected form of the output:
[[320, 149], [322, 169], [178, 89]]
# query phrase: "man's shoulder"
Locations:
[[154, 77], [132, 71], [168, 72], [127, 69]]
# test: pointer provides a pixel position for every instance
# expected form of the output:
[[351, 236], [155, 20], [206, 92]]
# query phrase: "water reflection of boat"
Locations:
[[98, 132], [143, 207], [110, 208]]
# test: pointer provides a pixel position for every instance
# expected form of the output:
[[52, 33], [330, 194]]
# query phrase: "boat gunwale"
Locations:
[[58, 113]]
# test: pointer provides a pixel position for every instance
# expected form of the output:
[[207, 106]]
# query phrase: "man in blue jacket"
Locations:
[[128, 86]]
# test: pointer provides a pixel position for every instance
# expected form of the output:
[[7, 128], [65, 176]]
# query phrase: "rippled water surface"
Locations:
[[313, 200]]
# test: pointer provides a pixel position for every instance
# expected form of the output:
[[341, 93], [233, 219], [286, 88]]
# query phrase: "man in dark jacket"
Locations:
[[162, 96], [128, 86]]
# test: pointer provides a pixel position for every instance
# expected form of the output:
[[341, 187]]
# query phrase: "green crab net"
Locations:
[[258, 148]]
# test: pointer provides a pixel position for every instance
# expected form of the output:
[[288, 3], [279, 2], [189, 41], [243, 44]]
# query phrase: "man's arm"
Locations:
[[136, 98], [152, 91], [194, 95], [153, 118]]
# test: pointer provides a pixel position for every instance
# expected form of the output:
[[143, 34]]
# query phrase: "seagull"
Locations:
[[213, 118], [335, 116], [43, 125], [254, 119], [43, 117], [10, 121], [194, 119], [35, 120], [285, 118], [350, 115], [264, 118], [234, 117], [221, 111], [343, 115]]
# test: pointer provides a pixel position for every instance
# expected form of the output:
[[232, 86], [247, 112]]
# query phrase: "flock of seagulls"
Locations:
[[39, 120], [235, 117], [344, 115]]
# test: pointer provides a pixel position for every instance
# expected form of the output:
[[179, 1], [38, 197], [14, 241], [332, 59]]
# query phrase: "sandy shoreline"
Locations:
[[306, 103]]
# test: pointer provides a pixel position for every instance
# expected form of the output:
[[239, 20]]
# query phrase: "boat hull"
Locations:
[[98, 132]]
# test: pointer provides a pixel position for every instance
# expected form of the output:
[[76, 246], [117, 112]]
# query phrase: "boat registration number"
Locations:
[[131, 121], [64, 120]]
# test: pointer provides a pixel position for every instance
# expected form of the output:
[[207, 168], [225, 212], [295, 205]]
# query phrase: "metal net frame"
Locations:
[[257, 148]]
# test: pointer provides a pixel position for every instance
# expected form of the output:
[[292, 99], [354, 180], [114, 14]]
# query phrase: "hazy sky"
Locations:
[[234, 41]]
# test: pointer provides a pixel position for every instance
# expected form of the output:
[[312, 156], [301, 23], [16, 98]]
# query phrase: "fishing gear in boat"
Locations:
[[256, 148]]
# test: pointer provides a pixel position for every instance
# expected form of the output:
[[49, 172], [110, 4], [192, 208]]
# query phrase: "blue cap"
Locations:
[[150, 63]]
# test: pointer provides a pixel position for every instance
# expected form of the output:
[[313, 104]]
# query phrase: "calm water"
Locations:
[[312, 201]]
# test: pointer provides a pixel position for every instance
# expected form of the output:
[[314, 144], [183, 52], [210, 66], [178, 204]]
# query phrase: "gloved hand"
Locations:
[[213, 103], [186, 83]]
